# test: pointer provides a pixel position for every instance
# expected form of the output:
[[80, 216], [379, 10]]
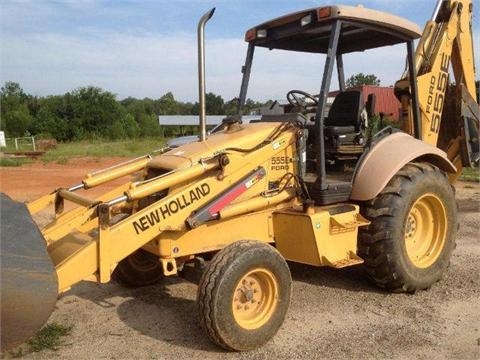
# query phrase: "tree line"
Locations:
[[90, 113]]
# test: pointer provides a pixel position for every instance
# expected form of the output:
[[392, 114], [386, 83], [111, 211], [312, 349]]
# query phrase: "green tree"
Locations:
[[230, 107], [13, 90], [56, 118], [142, 119], [148, 125], [167, 105], [131, 127], [95, 110], [187, 108], [14, 112], [362, 79], [17, 122], [213, 104]]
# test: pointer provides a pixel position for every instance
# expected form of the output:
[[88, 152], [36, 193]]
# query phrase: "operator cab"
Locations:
[[337, 136]]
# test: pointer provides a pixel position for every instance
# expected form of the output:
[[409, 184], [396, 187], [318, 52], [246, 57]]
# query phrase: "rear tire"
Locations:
[[244, 295], [410, 240], [140, 268]]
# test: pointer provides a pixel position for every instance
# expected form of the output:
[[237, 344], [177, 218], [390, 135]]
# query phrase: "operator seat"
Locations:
[[344, 116], [344, 127]]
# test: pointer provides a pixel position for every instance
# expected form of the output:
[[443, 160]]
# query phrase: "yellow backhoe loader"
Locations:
[[235, 206]]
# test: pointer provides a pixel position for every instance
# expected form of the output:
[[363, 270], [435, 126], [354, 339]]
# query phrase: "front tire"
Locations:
[[244, 295], [410, 240], [138, 269]]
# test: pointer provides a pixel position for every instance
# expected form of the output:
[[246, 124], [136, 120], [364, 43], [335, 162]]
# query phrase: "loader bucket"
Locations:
[[29, 285]]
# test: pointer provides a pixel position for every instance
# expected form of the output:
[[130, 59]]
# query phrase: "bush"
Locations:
[[17, 122]]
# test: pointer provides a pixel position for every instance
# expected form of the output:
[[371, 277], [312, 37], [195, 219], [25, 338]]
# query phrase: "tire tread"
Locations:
[[375, 241]]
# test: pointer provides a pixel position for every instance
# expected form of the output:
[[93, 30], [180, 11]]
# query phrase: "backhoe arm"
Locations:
[[447, 40]]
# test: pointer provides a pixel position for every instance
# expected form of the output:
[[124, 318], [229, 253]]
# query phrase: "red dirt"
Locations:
[[28, 182]]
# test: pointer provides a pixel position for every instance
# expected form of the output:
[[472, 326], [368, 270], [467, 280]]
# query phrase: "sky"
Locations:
[[147, 48]]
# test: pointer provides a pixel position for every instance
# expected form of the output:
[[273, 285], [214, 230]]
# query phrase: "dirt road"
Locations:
[[334, 314]]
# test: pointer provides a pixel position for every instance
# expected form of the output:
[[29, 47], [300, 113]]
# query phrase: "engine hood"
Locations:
[[244, 137]]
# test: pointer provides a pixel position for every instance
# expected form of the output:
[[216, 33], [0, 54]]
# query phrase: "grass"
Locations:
[[49, 337], [22, 146], [102, 148], [470, 174], [6, 161]]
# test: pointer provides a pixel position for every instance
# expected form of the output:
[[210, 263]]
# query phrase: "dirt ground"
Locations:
[[334, 314]]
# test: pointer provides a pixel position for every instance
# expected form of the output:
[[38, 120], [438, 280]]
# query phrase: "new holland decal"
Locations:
[[165, 210]]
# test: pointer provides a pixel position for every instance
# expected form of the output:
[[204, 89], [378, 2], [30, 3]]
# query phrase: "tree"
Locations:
[[17, 122], [231, 107], [95, 110], [213, 104], [13, 89], [15, 117], [56, 118], [167, 105], [362, 79]]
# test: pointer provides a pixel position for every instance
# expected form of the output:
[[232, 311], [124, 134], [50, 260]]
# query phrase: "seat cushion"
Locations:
[[338, 130], [345, 110]]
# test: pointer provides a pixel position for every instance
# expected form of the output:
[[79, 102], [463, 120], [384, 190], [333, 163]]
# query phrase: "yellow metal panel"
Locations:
[[320, 238], [216, 235], [295, 236], [41, 203], [104, 261], [75, 258]]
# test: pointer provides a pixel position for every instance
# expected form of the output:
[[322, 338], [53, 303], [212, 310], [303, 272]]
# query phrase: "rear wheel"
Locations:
[[140, 268], [244, 295], [410, 240]]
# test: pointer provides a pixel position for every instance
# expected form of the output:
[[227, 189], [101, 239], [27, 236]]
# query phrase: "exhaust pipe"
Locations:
[[201, 72]]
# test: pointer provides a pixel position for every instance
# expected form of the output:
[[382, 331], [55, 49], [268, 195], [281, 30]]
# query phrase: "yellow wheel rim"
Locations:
[[255, 299], [425, 230]]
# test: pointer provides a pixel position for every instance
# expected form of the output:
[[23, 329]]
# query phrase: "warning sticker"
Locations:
[[278, 144]]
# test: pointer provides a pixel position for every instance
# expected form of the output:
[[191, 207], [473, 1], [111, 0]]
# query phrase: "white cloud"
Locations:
[[147, 65]]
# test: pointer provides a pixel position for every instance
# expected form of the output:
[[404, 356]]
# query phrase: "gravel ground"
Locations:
[[334, 314]]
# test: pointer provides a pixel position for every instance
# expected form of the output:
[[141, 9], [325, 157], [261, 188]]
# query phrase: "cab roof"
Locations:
[[309, 30]]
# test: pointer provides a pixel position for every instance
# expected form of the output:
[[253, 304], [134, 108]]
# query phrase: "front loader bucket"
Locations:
[[29, 285]]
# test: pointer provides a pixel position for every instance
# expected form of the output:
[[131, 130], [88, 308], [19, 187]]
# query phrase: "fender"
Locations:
[[387, 157]]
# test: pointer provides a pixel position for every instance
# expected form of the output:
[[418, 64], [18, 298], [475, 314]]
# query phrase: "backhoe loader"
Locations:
[[235, 206]]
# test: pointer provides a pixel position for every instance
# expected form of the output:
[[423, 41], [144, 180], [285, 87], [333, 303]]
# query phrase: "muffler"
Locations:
[[201, 72]]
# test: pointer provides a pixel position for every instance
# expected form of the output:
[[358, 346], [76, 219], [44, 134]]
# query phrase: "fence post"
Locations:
[[16, 143], [33, 143]]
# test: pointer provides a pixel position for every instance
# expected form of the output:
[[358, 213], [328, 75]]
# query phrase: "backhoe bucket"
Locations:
[[29, 285]]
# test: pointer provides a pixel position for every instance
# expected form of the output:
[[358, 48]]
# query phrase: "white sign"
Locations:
[[2, 139]]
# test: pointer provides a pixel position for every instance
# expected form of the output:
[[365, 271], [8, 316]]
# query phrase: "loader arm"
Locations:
[[446, 43]]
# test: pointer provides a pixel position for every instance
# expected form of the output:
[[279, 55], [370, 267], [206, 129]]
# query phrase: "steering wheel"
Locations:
[[293, 97]]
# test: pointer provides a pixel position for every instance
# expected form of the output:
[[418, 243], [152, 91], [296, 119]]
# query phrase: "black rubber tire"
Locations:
[[140, 268], [216, 293], [382, 243]]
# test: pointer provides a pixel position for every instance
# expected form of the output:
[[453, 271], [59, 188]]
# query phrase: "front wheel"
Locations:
[[244, 295], [410, 240], [138, 269]]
